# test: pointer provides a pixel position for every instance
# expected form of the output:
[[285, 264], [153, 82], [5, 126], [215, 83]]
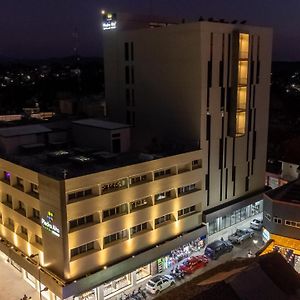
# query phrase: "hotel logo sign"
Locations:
[[47, 224]]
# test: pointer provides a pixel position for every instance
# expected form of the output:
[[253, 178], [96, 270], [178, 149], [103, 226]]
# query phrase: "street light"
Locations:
[[39, 275]]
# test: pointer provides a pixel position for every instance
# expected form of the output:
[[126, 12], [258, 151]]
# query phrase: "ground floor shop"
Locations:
[[115, 287], [233, 217], [289, 248]]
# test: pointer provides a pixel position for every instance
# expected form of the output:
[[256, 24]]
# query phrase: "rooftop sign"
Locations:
[[109, 20]]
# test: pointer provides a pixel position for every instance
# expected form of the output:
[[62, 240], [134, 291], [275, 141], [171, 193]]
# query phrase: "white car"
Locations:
[[256, 224], [159, 283]]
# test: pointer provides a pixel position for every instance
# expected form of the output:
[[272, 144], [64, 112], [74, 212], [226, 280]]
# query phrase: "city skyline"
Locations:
[[45, 29]]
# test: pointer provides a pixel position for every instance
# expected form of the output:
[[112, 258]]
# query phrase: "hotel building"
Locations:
[[91, 217]]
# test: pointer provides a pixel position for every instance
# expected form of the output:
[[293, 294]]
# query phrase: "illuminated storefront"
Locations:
[[235, 217], [289, 248]]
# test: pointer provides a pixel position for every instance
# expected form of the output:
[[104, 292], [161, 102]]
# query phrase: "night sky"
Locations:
[[43, 28]]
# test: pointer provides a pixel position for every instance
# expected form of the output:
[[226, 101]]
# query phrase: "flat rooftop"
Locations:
[[287, 193], [73, 162], [101, 124]]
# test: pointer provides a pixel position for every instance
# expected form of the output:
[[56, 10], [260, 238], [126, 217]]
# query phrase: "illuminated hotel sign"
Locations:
[[48, 224], [109, 21]]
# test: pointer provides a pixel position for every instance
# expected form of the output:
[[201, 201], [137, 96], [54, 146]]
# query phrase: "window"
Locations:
[[114, 186], [118, 210], [116, 237], [20, 182], [8, 201], [132, 75], [139, 203], [82, 249], [277, 220], [126, 51], [138, 228], [36, 214], [38, 240], [132, 98], [137, 179], [292, 223], [79, 194], [34, 188], [186, 211], [24, 230], [186, 189], [132, 51], [11, 223], [7, 176], [81, 221], [0, 217], [163, 219], [161, 173], [127, 75], [268, 217], [21, 208], [196, 163], [162, 196]]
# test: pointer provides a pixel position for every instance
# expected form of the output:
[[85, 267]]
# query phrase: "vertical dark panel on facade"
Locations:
[[126, 51], [221, 158], [228, 60], [132, 51], [222, 98], [226, 182], [258, 61], [208, 133], [225, 153]]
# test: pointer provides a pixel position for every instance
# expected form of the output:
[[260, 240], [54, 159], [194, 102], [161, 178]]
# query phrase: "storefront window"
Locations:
[[90, 295], [143, 272], [232, 219], [117, 284], [243, 213], [237, 216]]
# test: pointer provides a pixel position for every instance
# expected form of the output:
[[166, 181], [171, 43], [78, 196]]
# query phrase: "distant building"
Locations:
[[282, 221]]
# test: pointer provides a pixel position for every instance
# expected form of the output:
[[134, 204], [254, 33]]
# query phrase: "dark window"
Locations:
[[257, 72], [221, 153], [126, 51], [116, 145], [226, 183], [209, 73], [221, 73], [132, 98], [208, 124], [38, 240], [114, 135], [247, 184], [132, 75], [127, 81], [35, 213], [222, 98], [132, 51], [24, 230]]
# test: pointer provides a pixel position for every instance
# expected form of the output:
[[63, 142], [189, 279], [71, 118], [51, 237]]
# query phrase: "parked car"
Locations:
[[256, 224], [241, 235], [191, 264], [159, 283], [217, 248]]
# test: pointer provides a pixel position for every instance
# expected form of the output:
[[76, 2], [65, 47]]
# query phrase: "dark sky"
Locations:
[[43, 28]]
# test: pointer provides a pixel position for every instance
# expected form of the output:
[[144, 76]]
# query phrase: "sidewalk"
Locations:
[[13, 286]]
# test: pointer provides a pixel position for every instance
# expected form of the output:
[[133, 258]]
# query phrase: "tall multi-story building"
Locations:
[[204, 83], [86, 213]]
